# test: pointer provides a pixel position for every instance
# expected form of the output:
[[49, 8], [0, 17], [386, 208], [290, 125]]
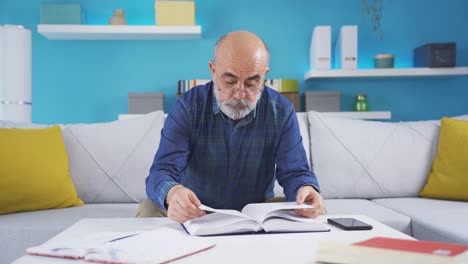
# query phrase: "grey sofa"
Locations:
[[359, 164]]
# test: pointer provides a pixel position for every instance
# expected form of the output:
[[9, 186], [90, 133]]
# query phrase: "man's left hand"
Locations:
[[308, 195]]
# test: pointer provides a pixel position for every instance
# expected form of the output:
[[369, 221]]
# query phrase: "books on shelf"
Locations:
[[185, 85], [283, 85], [156, 246], [391, 250], [254, 218], [280, 85]]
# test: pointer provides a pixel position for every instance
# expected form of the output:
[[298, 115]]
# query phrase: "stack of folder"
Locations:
[[346, 49]]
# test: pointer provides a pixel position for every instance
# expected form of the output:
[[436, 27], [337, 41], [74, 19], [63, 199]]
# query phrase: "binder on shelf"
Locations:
[[283, 85], [346, 50], [320, 48]]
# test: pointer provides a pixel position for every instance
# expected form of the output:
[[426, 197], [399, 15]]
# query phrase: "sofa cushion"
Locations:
[[110, 161], [22, 230], [11, 124], [448, 178], [34, 172], [371, 159], [433, 219], [384, 215]]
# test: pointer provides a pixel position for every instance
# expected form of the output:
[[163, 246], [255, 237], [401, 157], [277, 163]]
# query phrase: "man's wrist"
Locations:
[[313, 187], [170, 193]]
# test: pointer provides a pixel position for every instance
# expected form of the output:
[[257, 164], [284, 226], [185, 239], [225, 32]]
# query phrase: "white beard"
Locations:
[[234, 108]]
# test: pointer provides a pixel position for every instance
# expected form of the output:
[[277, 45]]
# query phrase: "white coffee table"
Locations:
[[264, 248]]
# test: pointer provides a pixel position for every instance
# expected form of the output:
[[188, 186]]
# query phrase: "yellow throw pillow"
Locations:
[[34, 173], [449, 175]]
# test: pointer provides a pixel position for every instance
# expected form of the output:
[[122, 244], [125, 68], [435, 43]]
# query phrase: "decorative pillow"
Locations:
[[34, 173], [109, 162], [371, 159], [449, 175]]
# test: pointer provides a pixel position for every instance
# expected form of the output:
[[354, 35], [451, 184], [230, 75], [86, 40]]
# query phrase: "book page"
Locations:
[[285, 225], [158, 246], [220, 223], [79, 247], [259, 211], [290, 215], [223, 211]]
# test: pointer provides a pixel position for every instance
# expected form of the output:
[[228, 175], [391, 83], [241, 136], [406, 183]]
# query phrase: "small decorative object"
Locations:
[[384, 60], [360, 103], [118, 18], [436, 55]]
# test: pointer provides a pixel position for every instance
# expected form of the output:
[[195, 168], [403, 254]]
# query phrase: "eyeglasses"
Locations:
[[230, 90]]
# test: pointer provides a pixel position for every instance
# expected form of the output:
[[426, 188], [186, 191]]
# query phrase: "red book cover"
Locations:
[[415, 246]]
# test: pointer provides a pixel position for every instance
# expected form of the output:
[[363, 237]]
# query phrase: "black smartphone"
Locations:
[[349, 224]]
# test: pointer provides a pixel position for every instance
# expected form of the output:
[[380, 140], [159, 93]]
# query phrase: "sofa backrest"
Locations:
[[371, 159], [109, 162]]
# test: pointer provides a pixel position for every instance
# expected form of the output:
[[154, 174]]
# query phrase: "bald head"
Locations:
[[242, 48], [238, 71]]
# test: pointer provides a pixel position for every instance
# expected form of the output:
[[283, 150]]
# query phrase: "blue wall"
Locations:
[[88, 81]]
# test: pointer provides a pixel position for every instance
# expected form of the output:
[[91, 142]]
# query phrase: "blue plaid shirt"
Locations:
[[229, 165]]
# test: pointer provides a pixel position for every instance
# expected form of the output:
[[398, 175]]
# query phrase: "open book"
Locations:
[[259, 217], [156, 246]]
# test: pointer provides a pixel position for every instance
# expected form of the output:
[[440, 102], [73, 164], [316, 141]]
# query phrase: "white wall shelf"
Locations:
[[118, 32], [386, 73], [376, 115]]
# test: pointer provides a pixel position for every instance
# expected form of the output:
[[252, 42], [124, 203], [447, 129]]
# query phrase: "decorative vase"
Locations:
[[360, 103], [384, 61]]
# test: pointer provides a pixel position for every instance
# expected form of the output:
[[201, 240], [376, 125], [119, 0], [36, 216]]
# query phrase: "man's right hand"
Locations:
[[182, 204]]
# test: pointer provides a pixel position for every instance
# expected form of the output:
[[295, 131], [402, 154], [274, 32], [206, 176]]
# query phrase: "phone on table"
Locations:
[[349, 224]]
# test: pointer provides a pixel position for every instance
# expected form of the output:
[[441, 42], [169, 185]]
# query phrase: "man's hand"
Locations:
[[308, 195], [182, 204]]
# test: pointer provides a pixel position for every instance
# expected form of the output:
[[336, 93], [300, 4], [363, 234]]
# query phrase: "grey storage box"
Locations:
[[143, 103], [322, 101]]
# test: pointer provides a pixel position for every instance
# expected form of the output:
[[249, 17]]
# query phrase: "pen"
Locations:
[[119, 238]]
